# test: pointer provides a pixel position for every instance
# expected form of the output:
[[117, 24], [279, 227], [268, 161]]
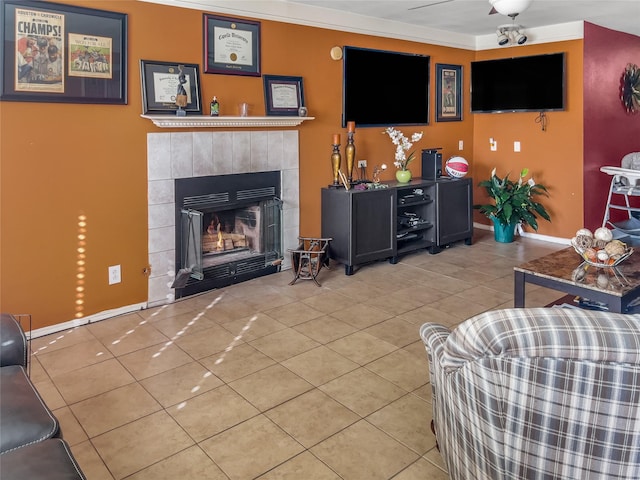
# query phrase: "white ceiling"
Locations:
[[455, 23], [472, 17]]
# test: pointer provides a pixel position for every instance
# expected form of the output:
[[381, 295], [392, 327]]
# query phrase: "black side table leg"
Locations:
[[518, 289]]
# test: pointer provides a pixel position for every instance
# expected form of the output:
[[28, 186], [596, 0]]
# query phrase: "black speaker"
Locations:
[[431, 164]]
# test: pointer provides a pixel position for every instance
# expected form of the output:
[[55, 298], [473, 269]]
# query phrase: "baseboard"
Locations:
[[59, 327], [535, 236]]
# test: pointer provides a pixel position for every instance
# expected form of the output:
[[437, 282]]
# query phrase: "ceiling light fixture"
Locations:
[[510, 7], [511, 33]]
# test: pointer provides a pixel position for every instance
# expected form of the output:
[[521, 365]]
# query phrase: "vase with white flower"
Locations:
[[403, 145]]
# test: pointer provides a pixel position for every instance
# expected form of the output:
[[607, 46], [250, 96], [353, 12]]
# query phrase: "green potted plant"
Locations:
[[513, 203]]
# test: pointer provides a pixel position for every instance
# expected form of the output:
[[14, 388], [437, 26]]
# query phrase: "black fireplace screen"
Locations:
[[229, 236]]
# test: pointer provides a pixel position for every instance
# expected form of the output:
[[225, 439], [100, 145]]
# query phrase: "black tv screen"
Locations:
[[383, 88], [521, 84]]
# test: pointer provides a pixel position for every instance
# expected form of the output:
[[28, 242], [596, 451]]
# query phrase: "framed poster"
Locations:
[[448, 93], [231, 46], [62, 53], [283, 95], [161, 82]]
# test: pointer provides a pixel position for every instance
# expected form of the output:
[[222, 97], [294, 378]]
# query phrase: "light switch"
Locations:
[[516, 146], [493, 144], [460, 145]]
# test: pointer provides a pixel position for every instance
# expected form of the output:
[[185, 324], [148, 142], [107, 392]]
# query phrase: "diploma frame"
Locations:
[[224, 56], [289, 103], [105, 87], [151, 73]]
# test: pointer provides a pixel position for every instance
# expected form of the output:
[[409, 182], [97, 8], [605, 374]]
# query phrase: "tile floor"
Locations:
[[271, 381]]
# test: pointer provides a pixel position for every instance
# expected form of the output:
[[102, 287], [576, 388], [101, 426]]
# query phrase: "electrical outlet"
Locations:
[[493, 145], [516, 146], [115, 275], [362, 164]]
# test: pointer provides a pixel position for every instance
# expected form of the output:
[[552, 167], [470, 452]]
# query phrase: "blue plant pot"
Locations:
[[503, 233]]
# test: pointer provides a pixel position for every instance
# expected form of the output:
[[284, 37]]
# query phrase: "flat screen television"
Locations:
[[383, 88], [522, 84]]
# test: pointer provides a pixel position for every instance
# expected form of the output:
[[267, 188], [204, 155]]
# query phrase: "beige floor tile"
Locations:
[[154, 360], [488, 297], [93, 380], [251, 448], [361, 347], [253, 327], [90, 462], [428, 314], [180, 384], [362, 391], [425, 392], [238, 362], [293, 313], [134, 339], [168, 310], [420, 470], [407, 420], [319, 365], [191, 463], [444, 283], [144, 442], [358, 291], [72, 430], [212, 412], [361, 315], [325, 329], [403, 369], [434, 457], [395, 303], [270, 387], [362, 452], [56, 341], [206, 342], [284, 344], [36, 371], [74, 357], [395, 331], [459, 306], [117, 325], [117, 407], [183, 324], [329, 302], [312, 417], [50, 394], [303, 466]]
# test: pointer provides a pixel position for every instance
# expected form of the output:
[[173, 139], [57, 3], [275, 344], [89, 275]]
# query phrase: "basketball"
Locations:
[[456, 167]]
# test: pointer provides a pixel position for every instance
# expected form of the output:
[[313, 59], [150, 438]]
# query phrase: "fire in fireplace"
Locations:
[[230, 230]]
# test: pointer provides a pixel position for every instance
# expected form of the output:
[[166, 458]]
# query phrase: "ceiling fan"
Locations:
[[510, 8]]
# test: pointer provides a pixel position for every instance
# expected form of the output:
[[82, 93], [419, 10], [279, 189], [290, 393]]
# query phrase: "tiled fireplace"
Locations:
[[197, 154]]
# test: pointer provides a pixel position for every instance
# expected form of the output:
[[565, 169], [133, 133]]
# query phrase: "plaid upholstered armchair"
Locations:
[[538, 393]]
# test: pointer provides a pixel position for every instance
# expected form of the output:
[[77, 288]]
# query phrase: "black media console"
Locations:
[[370, 225]]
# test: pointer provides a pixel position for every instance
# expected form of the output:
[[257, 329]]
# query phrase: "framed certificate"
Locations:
[[231, 46], [283, 95], [161, 82]]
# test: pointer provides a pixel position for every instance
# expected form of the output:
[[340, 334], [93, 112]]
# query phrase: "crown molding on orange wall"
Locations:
[[299, 14]]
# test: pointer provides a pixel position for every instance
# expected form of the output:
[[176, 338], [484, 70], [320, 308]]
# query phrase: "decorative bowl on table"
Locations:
[[600, 251]]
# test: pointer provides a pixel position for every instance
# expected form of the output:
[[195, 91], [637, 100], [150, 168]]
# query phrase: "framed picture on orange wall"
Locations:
[[62, 53], [448, 93], [231, 46]]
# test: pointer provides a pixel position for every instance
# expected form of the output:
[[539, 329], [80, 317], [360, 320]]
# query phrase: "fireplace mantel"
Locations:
[[203, 121]]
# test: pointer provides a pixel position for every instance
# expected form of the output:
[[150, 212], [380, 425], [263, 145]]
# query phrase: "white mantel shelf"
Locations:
[[203, 121]]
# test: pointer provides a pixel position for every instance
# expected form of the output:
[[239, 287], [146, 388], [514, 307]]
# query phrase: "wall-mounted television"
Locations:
[[384, 88], [521, 84]]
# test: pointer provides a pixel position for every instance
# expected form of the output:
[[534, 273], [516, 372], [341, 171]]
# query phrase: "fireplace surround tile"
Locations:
[[195, 154]]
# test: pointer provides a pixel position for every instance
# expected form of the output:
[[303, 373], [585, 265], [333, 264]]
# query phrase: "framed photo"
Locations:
[[448, 93], [283, 95], [161, 83], [231, 46], [62, 53]]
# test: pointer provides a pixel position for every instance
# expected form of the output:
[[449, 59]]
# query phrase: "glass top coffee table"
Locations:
[[565, 271]]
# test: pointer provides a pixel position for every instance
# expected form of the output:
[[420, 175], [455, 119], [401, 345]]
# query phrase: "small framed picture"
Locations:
[[161, 82], [448, 93], [231, 46], [283, 95]]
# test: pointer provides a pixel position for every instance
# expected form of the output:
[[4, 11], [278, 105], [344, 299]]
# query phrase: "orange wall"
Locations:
[[554, 157], [61, 161]]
